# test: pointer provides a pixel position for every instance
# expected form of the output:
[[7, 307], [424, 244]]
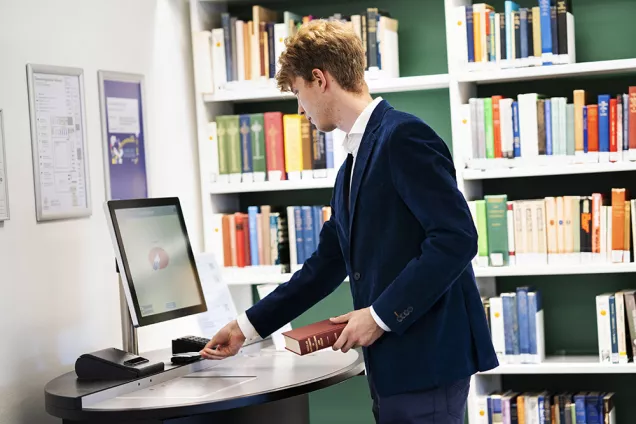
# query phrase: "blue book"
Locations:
[[515, 130], [603, 123], [227, 41], [509, 7], [329, 150], [522, 314], [317, 225], [523, 20], [497, 409], [511, 328], [300, 235], [579, 408], [541, 408], [308, 231], [247, 160], [492, 53], [535, 323], [546, 24], [252, 212], [585, 142], [594, 408], [470, 33], [549, 148], [625, 121]]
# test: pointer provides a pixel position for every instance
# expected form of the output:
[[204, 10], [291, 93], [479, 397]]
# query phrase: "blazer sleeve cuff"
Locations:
[[247, 328], [378, 320]]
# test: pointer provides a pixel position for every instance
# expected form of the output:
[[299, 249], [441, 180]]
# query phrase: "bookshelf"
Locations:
[[597, 60]]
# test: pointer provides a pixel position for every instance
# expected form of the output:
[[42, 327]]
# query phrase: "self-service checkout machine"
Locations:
[[159, 282]]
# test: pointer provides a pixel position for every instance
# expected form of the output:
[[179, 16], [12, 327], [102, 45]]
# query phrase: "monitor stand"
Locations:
[[128, 330]]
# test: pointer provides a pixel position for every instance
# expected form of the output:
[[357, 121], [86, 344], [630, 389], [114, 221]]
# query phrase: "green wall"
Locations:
[[604, 30]]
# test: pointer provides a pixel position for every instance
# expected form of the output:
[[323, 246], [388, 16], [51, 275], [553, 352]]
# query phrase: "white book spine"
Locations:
[[510, 219], [280, 34], [291, 231], [620, 328], [608, 234], [603, 328], [218, 58], [202, 58], [497, 327]]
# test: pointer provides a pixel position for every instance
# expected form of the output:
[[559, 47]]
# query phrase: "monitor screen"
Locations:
[[155, 259]]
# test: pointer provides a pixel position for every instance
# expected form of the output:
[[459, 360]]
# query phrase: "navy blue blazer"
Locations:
[[406, 241]]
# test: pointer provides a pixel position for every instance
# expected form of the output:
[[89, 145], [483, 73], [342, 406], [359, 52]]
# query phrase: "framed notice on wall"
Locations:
[[124, 134], [4, 185], [58, 138]]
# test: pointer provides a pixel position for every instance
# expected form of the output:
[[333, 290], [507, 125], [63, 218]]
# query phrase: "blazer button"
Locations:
[[356, 276]]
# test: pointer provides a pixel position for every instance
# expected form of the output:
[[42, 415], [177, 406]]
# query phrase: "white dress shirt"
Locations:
[[351, 144]]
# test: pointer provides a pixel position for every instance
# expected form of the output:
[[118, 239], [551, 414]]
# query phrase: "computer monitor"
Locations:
[[155, 259]]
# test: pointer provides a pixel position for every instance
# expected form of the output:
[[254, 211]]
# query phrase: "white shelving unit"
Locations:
[[461, 86]]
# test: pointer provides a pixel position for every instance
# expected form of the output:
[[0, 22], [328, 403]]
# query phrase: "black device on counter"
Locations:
[[188, 344], [114, 364], [185, 358]]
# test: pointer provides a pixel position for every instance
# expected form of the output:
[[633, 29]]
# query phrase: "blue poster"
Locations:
[[126, 139]]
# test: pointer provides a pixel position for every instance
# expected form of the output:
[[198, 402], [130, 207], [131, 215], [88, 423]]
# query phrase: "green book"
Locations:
[[496, 218], [222, 145], [482, 231], [488, 128], [258, 143], [233, 143]]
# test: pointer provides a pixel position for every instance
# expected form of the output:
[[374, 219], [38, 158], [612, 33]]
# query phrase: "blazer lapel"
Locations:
[[364, 152]]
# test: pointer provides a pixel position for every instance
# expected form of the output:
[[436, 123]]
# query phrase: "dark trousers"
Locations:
[[441, 405]]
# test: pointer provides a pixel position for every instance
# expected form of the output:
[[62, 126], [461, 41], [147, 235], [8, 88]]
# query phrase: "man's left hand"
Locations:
[[361, 330]]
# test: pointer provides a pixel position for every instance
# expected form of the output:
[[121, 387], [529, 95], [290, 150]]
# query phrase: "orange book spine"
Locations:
[[241, 251], [497, 125], [618, 224], [597, 203], [592, 128], [227, 244], [521, 410], [613, 140]]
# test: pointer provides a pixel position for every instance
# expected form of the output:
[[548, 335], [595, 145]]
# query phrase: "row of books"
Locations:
[[509, 407], [541, 34], [271, 146], [616, 325], [554, 230], [538, 130], [516, 326], [248, 49], [269, 235]]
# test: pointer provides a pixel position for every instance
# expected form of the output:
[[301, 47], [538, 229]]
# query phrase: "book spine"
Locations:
[[586, 225], [222, 145], [234, 144], [482, 229], [246, 145], [293, 143], [516, 18], [496, 217], [618, 223], [530, 33], [592, 128], [625, 124], [620, 328], [613, 330], [515, 130], [613, 147], [632, 122], [300, 235], [274, 144], [544, 149], [308, 231], [502, 37], [546, 32], [372, 39], [496, 125], [549, 143], [579, 102], [257, 128], [553, 27], [227, 37], [523, 319], [536, 31], [562, 25], [319, 341], [470, 37], [523, 32], [603, 124], [585, 133], [271, 46], [488, 128]]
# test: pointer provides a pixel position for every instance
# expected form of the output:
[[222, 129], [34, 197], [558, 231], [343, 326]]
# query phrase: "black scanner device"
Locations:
[[114, 364]]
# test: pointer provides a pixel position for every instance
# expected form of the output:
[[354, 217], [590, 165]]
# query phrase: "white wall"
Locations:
[[58, 295]]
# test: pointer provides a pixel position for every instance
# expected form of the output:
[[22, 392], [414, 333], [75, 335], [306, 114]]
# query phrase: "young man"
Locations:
[[400, 229]]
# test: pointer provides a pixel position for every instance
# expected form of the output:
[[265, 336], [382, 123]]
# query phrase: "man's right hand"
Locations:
[[227, 342]]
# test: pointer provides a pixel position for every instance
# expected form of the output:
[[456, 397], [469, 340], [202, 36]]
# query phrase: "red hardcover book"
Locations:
[[242, 240], [313, 337], [613, 140], [632, 117], [592, 128], [274, 143], [496, 125]]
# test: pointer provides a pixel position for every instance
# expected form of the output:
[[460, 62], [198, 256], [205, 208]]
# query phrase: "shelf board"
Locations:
[[543, 170], [261, 90], [285, 185], [565, 365], [606, 67], [518, 270]]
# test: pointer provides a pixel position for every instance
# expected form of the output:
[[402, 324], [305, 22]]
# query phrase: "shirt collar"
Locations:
[[352, 141]]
